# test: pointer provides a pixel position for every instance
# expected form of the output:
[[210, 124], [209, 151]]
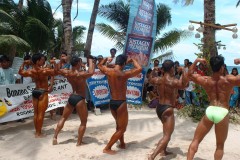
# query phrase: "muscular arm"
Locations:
[[153, 79], [197, 78], [183, 81], [101, 65], [91, 69], [135, 71], [24, 73], [234, 80]]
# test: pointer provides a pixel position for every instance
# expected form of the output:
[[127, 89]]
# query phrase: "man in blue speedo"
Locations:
[[218, 88]]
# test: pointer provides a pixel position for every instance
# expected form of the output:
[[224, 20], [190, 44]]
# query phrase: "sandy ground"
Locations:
[[144, 130]]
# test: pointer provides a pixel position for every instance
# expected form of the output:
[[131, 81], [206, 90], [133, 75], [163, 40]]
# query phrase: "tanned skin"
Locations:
[[117, 80], [77, 78], [218, 89], [168, 87], [40, 77]]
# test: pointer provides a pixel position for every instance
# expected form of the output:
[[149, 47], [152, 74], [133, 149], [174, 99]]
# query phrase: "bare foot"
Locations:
[[122, 146], [109, 151], [40, 135], [150, 157], [54, 142], [80, 144], [165, 153]]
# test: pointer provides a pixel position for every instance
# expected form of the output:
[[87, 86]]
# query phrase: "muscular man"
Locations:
[[77, 79], [218, 88], [117, 79], [40, 93], [168, 87]]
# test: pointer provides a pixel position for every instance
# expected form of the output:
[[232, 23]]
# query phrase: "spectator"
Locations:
[[156, 69], [6, 72], [235, 94], [153, 96], [27, 80], [112, 59]]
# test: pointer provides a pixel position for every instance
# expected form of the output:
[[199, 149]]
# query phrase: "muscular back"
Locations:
[[218, 89], [118, 84], [167, 89], [78, 83]]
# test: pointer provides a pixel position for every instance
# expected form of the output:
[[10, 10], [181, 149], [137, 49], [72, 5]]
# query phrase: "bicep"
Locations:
[[198, 79], [132, 73]]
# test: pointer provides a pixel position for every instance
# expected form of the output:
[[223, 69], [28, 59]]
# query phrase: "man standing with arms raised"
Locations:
[[40, 93], [77, 78], [168, 87], [117, 79], [218, 88]]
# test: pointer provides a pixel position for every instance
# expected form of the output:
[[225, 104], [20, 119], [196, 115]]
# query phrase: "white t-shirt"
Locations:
[[7, 76]]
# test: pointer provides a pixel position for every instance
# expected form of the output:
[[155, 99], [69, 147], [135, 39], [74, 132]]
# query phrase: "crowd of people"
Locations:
[[165, 87]]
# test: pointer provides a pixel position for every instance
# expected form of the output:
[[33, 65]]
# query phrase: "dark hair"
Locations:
[[64, 53], [149, 70], [75, 60], [189, 63], [113, 49], [176, 62], [186, 60], [167, 65], [4, 58], [27, 57], [121, 60], [156, 60], [235, 70], [36, 57], [216, 63]]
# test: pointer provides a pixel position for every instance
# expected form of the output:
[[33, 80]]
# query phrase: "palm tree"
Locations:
[[209, 47], [238, 3], [118, 13], [67, 25], [91, 27], [78, 32]]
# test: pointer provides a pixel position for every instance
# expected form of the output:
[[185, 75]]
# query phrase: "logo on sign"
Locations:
[[133, 92], [100, 92]]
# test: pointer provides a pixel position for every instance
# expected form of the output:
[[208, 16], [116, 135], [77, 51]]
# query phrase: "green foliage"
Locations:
[[194, 112]]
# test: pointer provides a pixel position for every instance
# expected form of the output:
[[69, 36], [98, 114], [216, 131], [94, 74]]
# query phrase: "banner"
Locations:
[[98, 88], [135, 88], [141, 31], [16, 99]]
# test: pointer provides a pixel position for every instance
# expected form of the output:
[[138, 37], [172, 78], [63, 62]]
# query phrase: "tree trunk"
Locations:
[[20, 4], [67, 25], [88, 44], [209, 47]]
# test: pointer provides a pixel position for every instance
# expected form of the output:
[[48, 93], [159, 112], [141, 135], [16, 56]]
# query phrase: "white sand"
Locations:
[[144, 130]]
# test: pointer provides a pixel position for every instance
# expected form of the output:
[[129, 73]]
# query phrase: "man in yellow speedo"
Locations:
[[218, 88]]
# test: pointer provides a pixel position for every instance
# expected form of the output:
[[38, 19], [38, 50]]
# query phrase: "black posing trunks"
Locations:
[[160, 109], [36, 93], [115, 104], [74, 99]]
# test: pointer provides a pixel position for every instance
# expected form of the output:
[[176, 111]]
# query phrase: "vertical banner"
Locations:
[[141, 31], [98, 88]]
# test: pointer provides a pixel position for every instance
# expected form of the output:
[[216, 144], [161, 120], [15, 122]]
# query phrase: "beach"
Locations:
[[144, 131]]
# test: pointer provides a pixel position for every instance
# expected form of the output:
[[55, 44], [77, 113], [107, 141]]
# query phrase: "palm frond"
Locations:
[[37, 33], [5, 17], [170, 39], [116, 12], [78, 32], [163, 17], [185, 2], [9, 41], [107, 30], [237, 3]]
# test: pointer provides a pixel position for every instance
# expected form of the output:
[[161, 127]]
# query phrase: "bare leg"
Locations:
[[221, 131], [35, 106], [83, 115], [168, 128], [122, 121], [122, 144], [66, 112], [203, 128], [41, 108]]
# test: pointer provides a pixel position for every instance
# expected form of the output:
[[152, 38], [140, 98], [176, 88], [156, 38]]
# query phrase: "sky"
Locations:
[[226, 13]]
